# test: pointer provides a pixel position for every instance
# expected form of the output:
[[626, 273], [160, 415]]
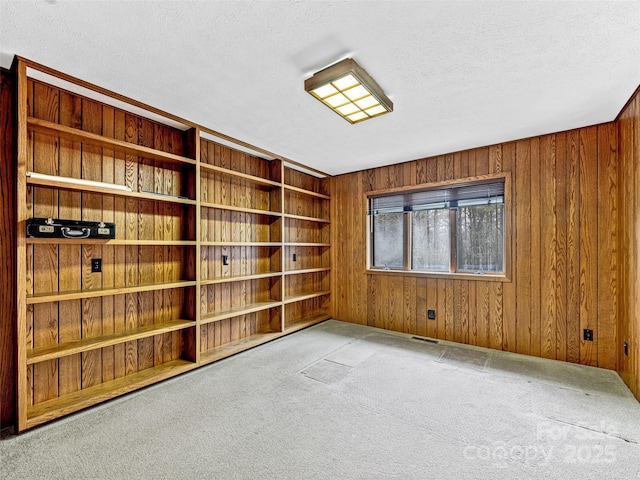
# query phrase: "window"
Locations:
[[445, 228]]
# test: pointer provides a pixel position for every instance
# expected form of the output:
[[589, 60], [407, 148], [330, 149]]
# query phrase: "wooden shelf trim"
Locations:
[[305, 296], [73, 134], [244, 176], [307, 192], [241, 310], [241, 244], [98, 241], [240, 278], [307, 270], [240, 209], [306, 322], [228, 349], [57, 407], [60, 350], [306, 244], [105, 292], [254, 340], [302, 217], [108, 191]]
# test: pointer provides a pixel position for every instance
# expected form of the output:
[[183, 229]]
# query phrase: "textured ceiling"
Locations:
[[460, 75]]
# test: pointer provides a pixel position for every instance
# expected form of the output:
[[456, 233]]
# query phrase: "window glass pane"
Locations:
[[430, 242], [480, 232], [388, 240]]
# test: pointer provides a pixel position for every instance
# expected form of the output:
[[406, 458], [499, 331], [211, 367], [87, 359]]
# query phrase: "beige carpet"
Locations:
[[341, 401]]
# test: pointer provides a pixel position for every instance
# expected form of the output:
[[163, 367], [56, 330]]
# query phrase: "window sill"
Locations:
[[484, 277]]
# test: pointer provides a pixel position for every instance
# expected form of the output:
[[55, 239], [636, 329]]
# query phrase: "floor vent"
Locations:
[[430, 340]]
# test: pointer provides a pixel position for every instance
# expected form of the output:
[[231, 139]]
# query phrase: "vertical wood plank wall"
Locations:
[[7, 256], [629, 221], [564, 240]]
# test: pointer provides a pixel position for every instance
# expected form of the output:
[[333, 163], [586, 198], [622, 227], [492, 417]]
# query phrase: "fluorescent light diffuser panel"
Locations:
[[347, 89]]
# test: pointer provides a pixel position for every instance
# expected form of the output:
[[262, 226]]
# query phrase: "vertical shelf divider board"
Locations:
[[22, 387], [199, 269], [193, 148], [307, 259]]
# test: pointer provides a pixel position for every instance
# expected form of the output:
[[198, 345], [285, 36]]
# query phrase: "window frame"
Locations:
[[406, 270]]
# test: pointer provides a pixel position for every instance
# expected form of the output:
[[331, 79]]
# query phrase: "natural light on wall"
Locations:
[[347, 89]]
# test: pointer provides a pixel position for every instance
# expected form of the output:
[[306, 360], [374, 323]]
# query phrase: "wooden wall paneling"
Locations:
[[482, 314], [588, 243], [441, 311], [131, 256], [91, 211], [539, 309], [395, 304], [410, 315], [626, 175], [108, 251], [573, 246], [162, 310], [431, 326], [496, 308], [449, 172], [509, 316], [70, 204], [456, 310], [145, 254], [120, 253], [607, 265], [536, 272], [472, 305], [449, 326], [45, 257], [521, 258], [8, 247], [548, 240], [561, 248], [378, 316], [628, 125], [421, 307], [482, 161], [634, 318], [463, 310]]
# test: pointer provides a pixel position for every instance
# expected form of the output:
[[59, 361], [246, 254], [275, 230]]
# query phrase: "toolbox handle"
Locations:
[[68, 232]]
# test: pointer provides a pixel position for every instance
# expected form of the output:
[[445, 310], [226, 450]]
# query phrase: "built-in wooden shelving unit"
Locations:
[[216, 250]]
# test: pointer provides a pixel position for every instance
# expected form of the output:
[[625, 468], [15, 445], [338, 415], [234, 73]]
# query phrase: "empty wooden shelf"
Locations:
[[201, 267]]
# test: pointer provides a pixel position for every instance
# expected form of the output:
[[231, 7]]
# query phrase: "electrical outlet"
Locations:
[[295, 257], [431, 314], [96, 265], [588, 335], [225, 259]]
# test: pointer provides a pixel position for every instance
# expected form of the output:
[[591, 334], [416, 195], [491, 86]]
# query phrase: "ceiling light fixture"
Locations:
[[347, 89]]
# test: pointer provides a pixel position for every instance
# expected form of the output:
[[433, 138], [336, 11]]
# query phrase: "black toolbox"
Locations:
[[56, 228]]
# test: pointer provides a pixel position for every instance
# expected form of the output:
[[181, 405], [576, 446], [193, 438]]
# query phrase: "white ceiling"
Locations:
[[460, 74]]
